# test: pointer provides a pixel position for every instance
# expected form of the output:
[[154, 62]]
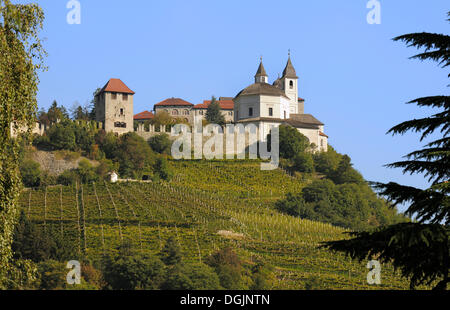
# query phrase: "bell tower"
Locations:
[[290, 86]]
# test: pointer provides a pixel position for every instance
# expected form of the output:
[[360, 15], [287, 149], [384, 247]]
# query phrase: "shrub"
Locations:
[[349, 205], [263, 277], [228, 267], [62, 136], [52, 275], [171, 253], [68, 177], [106, 166], [134, 272], [303, 162], [31, 173], [31, 242], [160, 143], [134, 155], [86, 171], [345, 173], [292, 142], [162, 169], [191, 277]]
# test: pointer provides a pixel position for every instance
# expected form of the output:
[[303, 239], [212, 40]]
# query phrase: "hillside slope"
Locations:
[[205, 198]]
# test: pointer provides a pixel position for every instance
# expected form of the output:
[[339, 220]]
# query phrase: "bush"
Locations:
[[62, 136], [162, 169], [263, 277], [292, 142], [31, 242], [134, 272], [303, 162], [52, 275], [68, 177], [326, 162], [161, 144], [86, 172], [171, 253], [134, 155], [349, 205], [228, 267], [31, 173], [191, 277], [106, 166], [345, 173]]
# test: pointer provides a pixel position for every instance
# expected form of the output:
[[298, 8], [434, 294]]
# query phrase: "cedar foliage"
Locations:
[[420, 249]]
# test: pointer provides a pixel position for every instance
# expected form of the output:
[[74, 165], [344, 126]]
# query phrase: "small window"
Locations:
[[291, 84], [121, 112], [113, 96], [250, 111], [270, 111], [230, 113], [125, 97], [120, 125]]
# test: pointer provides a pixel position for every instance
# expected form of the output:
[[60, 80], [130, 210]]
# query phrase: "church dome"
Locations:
[[262, 89]]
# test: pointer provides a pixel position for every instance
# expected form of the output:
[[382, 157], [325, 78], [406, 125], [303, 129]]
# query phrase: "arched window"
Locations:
[[174, 112], [291, 84], [186, 112]]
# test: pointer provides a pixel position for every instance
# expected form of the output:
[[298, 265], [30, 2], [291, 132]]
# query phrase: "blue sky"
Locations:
[[354, 78]]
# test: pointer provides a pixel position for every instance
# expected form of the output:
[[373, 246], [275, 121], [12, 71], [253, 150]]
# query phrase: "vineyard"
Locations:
[[206, 206]]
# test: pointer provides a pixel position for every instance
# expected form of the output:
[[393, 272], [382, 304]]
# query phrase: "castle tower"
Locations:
[[114, 107], [290, 87], [261, 75]]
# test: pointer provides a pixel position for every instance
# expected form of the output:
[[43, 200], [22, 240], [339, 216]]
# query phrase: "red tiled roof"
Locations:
[[301, 99], [117, 86], [144, 115], [224, 104], [173, 102], [322, 134]]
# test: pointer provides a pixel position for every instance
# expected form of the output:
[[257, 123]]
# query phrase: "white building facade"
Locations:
[[268, 106]]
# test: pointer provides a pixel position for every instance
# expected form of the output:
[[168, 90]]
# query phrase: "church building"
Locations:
[[270, 105]]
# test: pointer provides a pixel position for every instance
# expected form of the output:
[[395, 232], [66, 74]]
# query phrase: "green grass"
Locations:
[[203, 198]]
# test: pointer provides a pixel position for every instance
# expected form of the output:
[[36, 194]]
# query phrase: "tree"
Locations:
[[79, 113], [420, 249], [171, 253], [131, 272], [62, 136], [161, 143], [228, 267], [134, 155], [162, 169], [162, 118], [345, 173], [92, 113], [21, 58], [214, 114], [303, 162], [191, 277], [57, 113], [292, 142], [31, 173]]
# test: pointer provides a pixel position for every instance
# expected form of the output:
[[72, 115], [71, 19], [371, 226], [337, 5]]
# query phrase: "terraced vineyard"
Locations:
[[204, 198]]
